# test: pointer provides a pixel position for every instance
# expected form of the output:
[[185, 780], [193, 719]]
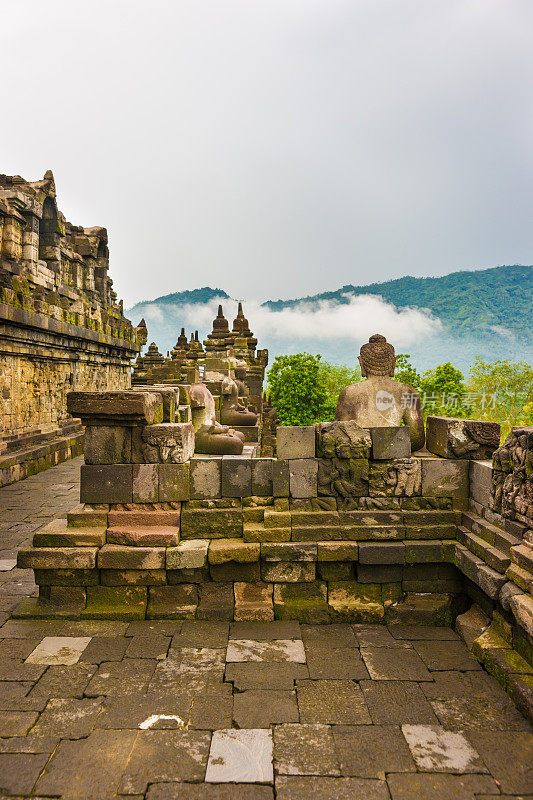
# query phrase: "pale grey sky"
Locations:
[[277, 148]]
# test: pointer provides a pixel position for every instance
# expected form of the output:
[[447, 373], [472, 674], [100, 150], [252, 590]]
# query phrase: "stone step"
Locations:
[[489, 580], [490, 533], [145, 518], [522, 554], [156, 535], [480, 547]]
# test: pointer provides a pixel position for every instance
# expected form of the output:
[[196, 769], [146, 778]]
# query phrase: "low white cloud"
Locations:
[[355, 320]]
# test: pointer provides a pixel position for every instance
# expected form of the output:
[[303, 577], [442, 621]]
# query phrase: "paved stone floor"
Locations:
[[209, 710]]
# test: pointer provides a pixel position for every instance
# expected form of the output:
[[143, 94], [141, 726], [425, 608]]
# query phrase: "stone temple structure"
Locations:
[[344, 524], [61, 326]]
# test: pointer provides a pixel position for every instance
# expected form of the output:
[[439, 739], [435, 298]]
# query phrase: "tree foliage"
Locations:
[[296, 391], [502, 391]]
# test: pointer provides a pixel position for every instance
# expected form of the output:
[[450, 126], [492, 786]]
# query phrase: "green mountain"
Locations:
[[466, 302], [204, 295]]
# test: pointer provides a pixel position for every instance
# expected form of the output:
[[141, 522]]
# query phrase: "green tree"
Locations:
[[334, 377], [443, 392], [405, 371], [296, 390], [502, 391]]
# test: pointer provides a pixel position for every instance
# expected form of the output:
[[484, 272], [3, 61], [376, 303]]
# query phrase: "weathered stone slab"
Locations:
[[253, 601], [168, 443], [107, 444], [174, 482], [172, 602], [342, 440], [289, 551], [390, 443], [113, 556], [445, 478], [59, 650], [190, 554], [295, 442], [280, 478], [285, 650], [221, 551], [437, 750], [205, 477], [106, 484], [451, 437], [262, 477], [241, 755], [399, 478], [236, 476], [303, 477], [122, 408], [288, 571], [70, 558], [304, 602], [146, 483]]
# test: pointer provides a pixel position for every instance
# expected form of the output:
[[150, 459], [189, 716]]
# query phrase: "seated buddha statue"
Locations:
[[211, 438], [231, 411], [378, 401]]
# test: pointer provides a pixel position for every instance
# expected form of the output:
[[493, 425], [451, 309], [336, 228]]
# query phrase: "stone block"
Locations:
[[113, 556], [106, 484], [351, 601], [262, 477], [381, 553], [303, 476], [426, 552], [421, 609], [344, 440], [145, 483], [168, 443], [253, 602], [445, 478], [288, 571], [236, 474], [451, 437], [133, 577], [379, 573], [522, 608], [390, 442], [194, 575], [205, 477], [335, 570], [66, 577], [401, 477], [280, 478], [191, 554], [215, 601], [343, 478], [57, 534], [337, 551], [107, 444], [211, 523], [71, 558], [174, 482], [480, 473], [232, 571], [295, 442], [223, 550], [172, 602], [304, 602], [144, 535], [289, 551], [85, 516], [126, 407], [115, 602]]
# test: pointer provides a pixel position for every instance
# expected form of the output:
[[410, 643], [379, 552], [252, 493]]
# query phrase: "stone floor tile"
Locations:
[[290, 787], [57, 650], [150, 645], [88, 768], [480, 713], [170, 674], [64, 681], [265, 631], [212, 709], [17, 648], [276, 650], [29, 744], [7, 564], [371, 751], [12, 691], [330, 636], [209, 791], [336, 663], [449, 684], [395, 702], [422, 632], [439, 787], [105, 648], [16, 723], [260, 709], [196, 660], [145, 712], [68, 718], [201, 633], [265, 675], [164, 756], [130, 676], [435, 749], [304, 750], [19, 771], [446, 655], [165, 627], [394, 663], [13, 669], [331, 703], [376, 636], [240, 756]]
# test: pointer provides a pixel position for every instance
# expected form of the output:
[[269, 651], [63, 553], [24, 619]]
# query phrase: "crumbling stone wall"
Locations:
[[61, 326]]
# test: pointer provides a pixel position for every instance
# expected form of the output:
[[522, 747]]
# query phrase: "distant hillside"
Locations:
[[486, 312], [464, 301]]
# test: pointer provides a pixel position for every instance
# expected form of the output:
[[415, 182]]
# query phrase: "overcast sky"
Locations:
[[282, 147]]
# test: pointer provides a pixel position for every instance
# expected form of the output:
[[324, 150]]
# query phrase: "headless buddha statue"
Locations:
[[231, 411], [211, 438], [379, 401]]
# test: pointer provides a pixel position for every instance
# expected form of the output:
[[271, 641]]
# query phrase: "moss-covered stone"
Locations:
[[115, 602]]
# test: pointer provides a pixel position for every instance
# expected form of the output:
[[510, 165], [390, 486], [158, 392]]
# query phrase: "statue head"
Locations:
[[377, 357], [240, 372]]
